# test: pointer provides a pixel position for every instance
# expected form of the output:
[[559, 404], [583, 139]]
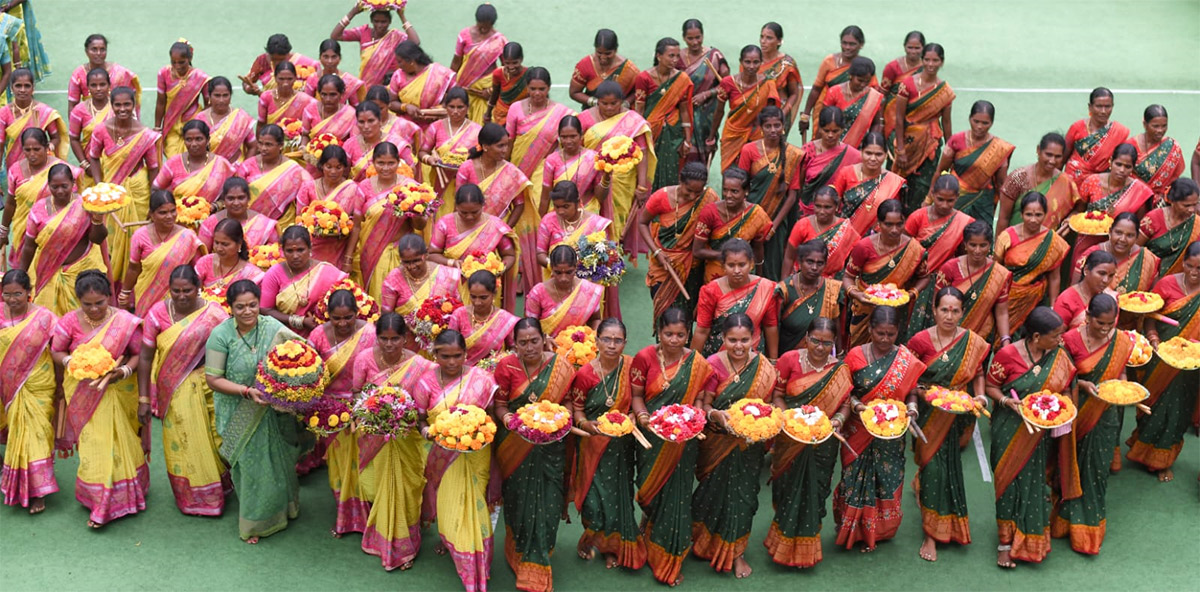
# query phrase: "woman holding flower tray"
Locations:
[[292, 289], [332, 244], [228, 261], [375, 254], [533, 474], [444, 147], [564, 300], [104, 413], [609, 119], [283, 102], [28, 183]]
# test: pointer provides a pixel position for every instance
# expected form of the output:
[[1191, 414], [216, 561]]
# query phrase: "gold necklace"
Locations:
[[737, 374], [662, 364], [382, 364], [207, 157], [19, 112], [408, 277], [610, 392], [570, 226], [476, 323], [937, 342], [96, 325]]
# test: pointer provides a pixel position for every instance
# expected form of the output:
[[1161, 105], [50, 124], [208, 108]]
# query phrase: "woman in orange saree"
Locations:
[[25, 113], [775, 180], [1168, 230], [333, 185], [292, 289], [156, 250], [509, 84], [564, 300], [376, 42], [418, 84], [360, 148], [283, 103], [834, 71], [939, 226], [861, 104], [28, 184], [823, 157], [180, 88], [984, 280], [232, 130], [747, 95], [104, 417], [663, 96], [476, 51], [706, 66], [1033, 253], [732, 217], [668, 226], [79, 87], [917, 124], [257, 229], [780, 68], [415, 279], [487, 328], [196, 171], [1091, 141], [887, 257], [667, 374], [171, 377], [1137, 267], [472, 231], [329, 114], [1043, 177], [609, 119], [836, 234], [331, 60], [801, 474], [866, 185], [1019, 456], [1159, 159], [275, 181], [444, 147], [980, 162], [602, 66], [1115, 192], [28, 396], [376, 253], [84, 118], [737, 292]]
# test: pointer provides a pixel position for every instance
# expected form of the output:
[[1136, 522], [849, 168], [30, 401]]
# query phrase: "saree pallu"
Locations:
[[124, 166], [575, 310], [534, 486], [302, 294], [1169, 246], [780, 71], [33, 190], [826, 164], [445, 181], [534, 140], [501, 188], [802, 474], [860, 203], [754, 299], [27, 384], [335, 250], [1091, 152], [898, 267], [751, 224], [603, 477], [666, 473], [1020, 460], [741, 121], [624, 185], [587, 73], [511, 90], [154, 281], [770, 180], [342, 123], [206, 182], [983, 290], [866, 503], [580, 170], [1095, 432], [292, 107], [183, 100], [830, 75], [941, 241], [1137, 272], [86, 131], [1061, 195], [705, 75], [676, 244], [53, 279], [377, 60], [489, 339], [273, 193], [398, 295], [228, 139], [943, 495], [260, 446], [860, 114], [40, 116], [1028, 261], [425, 91], [376, 256], [184, 401], [922, 134], [665, 118], [486, 238], [728, 470], [341, 453], [796, 314], [476, 68], [839, 239], [1158, 439], [1159, 166], [113, 478], [974, 169]]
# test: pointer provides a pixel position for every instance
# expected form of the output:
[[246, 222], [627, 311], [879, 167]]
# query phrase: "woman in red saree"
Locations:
[[331, 60], [84, 118], [25, 113], [668, 226], [227, 262], [195, 171], [29, 396], [866, 185], [283, 102], [510, 83], [939, 226], [156, 249], [487, 328], [1091, 141], [471, 231], [775, 180], [96, 49], [954, 358], [105, 416], [1115, 192], [866, 503], [452, 135], [979, 161], [1159, 159], [602, 66], [292, 289], [257, 229], [1019, 456], [415, 279], [564, 300], [663, 96], [609, 119], [667, 374], [732, 217], [476, 51], [376, 253], [780, 68], [1058, 190], [171, 377], [917, 124], [747, 95], [1097, 272], [1137, 267], [824, 156], [833, 71], [334, 185], [887, 257], [180, 88], [376, 42], [275, 180], [1033, 253], [418, 84], [329, 114], [232, 136], [28, 184], [738, 291], [984, 280], [574, 162], [1168, 230], [369, 134], [904, 66], [825, 225], [706, 66], [861, 104]]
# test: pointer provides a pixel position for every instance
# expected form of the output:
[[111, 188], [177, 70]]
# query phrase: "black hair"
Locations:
[[673, 316], [985, 107], [160, 198], [336, 81], [59, 169], [1101, 304], [1193, 250], [1181, 188], [736, 246], [457, 92], [812, 247], [827, 191], [977, 228], [948, 291], [333, 152], [1034, 197], [92, 280], [528, 323], [232, 229], [367, 107], [197, 125], [35, 134], [378, 92], [775, 28], [770, 112], [854, 31], [391, 321], [736, 320], [285, 66], [468, 193], [22, 73], [861, 66], [830, 114], [538, 73], [1042, 321], [917, 34], [384, 148], [342, 298], [1151, 112], [662, 46], [182, 48], [1098, 257], [489, 135], [693, 24], [874, 139], [1126, 150], [240, 287], [486, 13], [1052, 138], [95, 37], [412, 242], [219, 81], [278, 44], [295, 232], [94, 72], [572, 122], [609, 323], [739, 174], [822, 324], [749, 49], [935, 48], [382, 12], [946, 182], [235, 183], [885, 315], [122, 91], [512, 51], [1099, 92], [411, 51], [330, 45], [693, 171], [606, 39], [1127, 217], [450, 337], [185, 272], [564, 255], [18, 277], [484, 279], [609, 89], [565, 191], [273, 131], [889, 206]]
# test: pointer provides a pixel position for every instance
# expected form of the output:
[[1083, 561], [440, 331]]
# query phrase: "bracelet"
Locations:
[[655, 253], [245, 391], [643, 414], [296, 321], [759, 262], [126, 372], [839, 417], [126, 291], [687, 125], [345, 21], [804, 117], [142, 401], [591, 102], [66, 361], [407, 26], [1006, 339]]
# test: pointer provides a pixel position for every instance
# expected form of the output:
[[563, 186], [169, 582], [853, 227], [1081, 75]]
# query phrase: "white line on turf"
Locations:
[[1029, 91]]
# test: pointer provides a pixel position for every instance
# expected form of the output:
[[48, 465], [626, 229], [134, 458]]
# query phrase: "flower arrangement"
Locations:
[[90, 361], [755, 419], [614, 424], [1178, 352], [489, 362], [600, 260], [1121, 392], [886, 419], [216, 293], [414, 200], [292, 128], [677, 423], [541, 422], [577, 344], [324, 217], [387, 411], [1095, 223], [807, 424], [1046, 409], [453, 158], [950, 401], [1140, 302], [191, 210], [368, 308], [618, 154], [312, 150], [886, 295], [302, 75], [431, 318], [266, 256], [327, 416], [463, 428], [104, 198], [292, 376], [374, 5], [478, 260], [1142, 350]]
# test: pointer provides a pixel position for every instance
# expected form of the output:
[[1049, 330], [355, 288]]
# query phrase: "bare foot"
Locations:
[[1166, 475], [928, 550], [1004, 560], [252, 541], [406, 565], [37, 506], [916, 485], [93, 524], [741, 569], [866, 549], [610, 561], [335, 534], [678, 581], [586, 551], [440, 549], [1115, 466]]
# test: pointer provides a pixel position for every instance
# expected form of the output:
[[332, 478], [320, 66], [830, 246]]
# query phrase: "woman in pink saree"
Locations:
[[292, 289], [333, 185], [475, 53], [505, 188], [607, 120], [232, 130], [418, 84], [360, 148], [28, 185], [472, 231], [566, 225], [96, 49], [180, 88], [487, 328], [25, 113], [329, 114], [448, 140], [564, 300], [278, 50], [376, 41], [416, 279], [227, 263], [196, 171], [155, 251], [577, 164], [85, 116], [376, 253], [283, 102], [257, 229], [275, 181]]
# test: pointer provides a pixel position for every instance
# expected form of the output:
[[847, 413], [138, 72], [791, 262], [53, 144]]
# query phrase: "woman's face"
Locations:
[[97, 53], [331, 97], [1033, 215], [1191, 270], [768, 41], [334, 170], [499, 150], [858, 83], [386, 165], [1122, 236], [811, 267], [539, 92], [224, 247], [563, 275], [237, 202], [1121, 167], [750, 63], [529, 344], [892, 227], [94, 305], [481, 299], [98, 88], [566, 209], [819, 344], [390, 342], [456, 109], [408, 66], [1185, 207], [669, 57], [413, 262], [912, 49], [220, 97], [330, 60], [1101, 109], [1050, 157], [297, 253], [245, 309], [164, 215], [978, 249], [285, 81], [873, 157], [605, 57], [16, 298], [22, 90], [737, 268], [737, 342], [60, 188], [830, 134], [196, 143], [673, 337], [512, 66], [772, 129], [931, 62], [184, 294], [368, 125], [1099, 326], [733, 193], [269, 147], [1049, 340], [943, 202], [35, 154], [122, 107], [948, 313], [180, 63], [343, 319], [825, 208], [469, 213], [611, 342], [568, 138], [694, 38], [609, 106], [883, 335], [850, 47], [690, 191], [450, 359], [981, 124], [1156, 129]]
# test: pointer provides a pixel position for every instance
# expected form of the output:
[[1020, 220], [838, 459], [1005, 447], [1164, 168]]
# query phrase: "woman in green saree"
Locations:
[[260, 444], [1167, 231], [1019, 456], [775, 179], [728, 469], [806, 295]]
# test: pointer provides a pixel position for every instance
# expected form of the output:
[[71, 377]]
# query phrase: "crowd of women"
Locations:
[[772, 262]]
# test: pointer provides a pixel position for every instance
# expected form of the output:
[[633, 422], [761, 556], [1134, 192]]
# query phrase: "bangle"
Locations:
[[126, 291], [687, 125], [591, 102], [66, 361], [143, 401], [296, 321], [126, 372], [407, 26], [655, 253], [759, 262], [345, 21], [643, 414]]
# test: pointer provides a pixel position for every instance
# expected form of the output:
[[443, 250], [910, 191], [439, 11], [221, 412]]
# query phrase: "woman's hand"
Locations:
[[143, 413], [982, 401], [684, 147], [125, 299], [860, 296], [721, 418], [710, 142], [859, 407], [1088, 387], [643, 420], [256, 396], [901, 159], [1013, 404], [836, 423], [310, 322]]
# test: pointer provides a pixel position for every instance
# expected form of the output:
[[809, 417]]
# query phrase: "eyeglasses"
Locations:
[[611, 340], [820, 343]]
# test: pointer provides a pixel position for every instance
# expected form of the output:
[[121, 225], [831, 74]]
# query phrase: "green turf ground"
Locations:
[[1152, 541]]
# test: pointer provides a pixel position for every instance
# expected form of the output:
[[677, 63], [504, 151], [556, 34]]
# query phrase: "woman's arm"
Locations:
[[94, 169], [77, 150], [575, 91], [160, 110], [789, 202], [794, 92], [144, 369], [1053, 281], [352, 244], [789, 259], [132, 272], [699, 337], [339, 29], [1001, 312], [638, 406], [717, 416], [710, 142], [901, 127], [518, 208], [772, 335], [944, 163], [946, 121], [700, 250], [1005, 212], [508, 255], [28, 250], [436, 256]]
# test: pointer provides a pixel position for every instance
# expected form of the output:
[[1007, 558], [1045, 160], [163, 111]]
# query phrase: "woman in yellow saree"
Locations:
[[156, 249], [232, 129], [376, 42], [104, 415], [575, 163], [196, 171], [28, 395], [415, 279], [610, 119], [475, 53], [25, 113], [171, 377], [329, 114], [444, 147], [505, 188], [472, 231], [84, 118], [79, 85], [1033, 253], [664, 97], [180, 87], [292, 289], [275, 181], [916, 125], [28, 184], [376, 254], [61, 241], [124, 152]]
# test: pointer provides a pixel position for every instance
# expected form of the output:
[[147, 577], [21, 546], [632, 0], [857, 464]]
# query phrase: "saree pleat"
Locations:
[[190, 445], [27, 388]]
